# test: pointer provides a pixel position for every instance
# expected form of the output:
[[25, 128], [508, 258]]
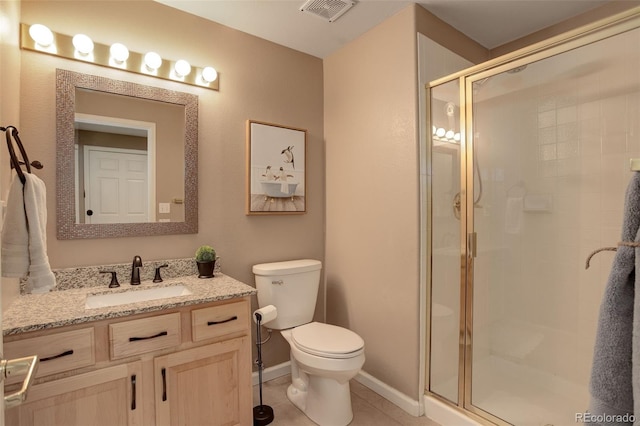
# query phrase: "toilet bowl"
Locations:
[[323, 359]]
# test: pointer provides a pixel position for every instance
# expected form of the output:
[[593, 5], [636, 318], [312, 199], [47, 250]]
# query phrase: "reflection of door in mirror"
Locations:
[[114, 166], [116, 186], [122, 194]]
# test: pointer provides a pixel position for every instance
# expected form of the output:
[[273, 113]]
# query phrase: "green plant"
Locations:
[[205, 254]]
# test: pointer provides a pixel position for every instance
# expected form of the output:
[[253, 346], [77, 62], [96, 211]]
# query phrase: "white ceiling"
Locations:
[[489, 22]]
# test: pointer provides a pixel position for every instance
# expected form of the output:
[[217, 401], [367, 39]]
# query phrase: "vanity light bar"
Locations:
[[63, 46]]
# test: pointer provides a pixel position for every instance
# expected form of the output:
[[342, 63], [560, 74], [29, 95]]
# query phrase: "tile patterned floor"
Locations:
[[369, 408]]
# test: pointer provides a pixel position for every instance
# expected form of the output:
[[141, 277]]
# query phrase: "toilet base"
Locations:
[[323, 400]]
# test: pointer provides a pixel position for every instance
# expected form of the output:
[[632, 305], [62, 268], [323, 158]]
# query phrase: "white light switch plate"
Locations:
[[164, 207]]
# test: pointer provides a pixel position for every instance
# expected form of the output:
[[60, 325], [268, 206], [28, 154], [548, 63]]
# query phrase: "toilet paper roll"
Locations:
[[268, 313]]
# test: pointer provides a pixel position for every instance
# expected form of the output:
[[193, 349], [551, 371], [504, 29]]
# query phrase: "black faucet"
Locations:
[[135, 270]]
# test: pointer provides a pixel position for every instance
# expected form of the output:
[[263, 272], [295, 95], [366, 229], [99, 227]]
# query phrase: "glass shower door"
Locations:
[[514, 207], [552, 141]]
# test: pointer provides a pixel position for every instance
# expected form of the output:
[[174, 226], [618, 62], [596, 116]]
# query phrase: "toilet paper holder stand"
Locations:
[[262, 414]]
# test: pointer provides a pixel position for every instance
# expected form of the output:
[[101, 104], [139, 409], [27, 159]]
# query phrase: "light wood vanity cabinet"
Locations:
[[105, 397], [185, 366], [195, 386]]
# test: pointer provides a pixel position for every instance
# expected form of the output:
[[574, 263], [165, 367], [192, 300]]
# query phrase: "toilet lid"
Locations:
[[326, 340]]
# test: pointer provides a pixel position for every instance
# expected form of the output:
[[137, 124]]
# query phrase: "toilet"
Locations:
[[323, 357]]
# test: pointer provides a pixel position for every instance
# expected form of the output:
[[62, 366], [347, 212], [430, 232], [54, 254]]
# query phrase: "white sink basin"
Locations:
[[133, 296]]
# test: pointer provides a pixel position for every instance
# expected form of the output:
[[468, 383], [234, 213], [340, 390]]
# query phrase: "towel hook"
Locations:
[[15, 163]]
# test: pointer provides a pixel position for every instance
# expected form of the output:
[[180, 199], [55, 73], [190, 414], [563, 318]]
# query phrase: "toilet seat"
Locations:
[[328, 341]]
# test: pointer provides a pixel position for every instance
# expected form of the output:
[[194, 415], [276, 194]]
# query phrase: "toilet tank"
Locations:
[[292, 287]]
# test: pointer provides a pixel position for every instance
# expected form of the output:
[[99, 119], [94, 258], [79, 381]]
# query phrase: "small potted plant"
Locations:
[[206, 260]]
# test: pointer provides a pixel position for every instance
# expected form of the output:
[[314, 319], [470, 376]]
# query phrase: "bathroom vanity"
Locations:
[[179, 360]]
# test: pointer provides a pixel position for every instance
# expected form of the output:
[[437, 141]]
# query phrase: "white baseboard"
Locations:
[[396, 397], [271, 373]]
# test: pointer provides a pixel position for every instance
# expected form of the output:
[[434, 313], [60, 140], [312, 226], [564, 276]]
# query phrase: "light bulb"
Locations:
[[209, 74], [182, 68], [119, 52], [449, 134], [83, 44], [440, 132], [41, 35], [152, 60], [456, 137]]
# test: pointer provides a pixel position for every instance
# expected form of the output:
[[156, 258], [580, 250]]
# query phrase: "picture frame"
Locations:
[[276, 169]]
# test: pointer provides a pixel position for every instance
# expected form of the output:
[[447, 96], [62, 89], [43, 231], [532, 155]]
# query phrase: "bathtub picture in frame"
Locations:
[[276, 161]]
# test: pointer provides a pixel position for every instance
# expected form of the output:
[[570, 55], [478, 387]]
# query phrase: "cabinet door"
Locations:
[[106, 397], [208, 385]]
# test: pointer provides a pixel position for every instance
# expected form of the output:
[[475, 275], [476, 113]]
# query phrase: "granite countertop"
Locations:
[[31, 312]]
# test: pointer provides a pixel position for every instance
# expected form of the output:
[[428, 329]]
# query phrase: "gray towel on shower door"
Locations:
[[615, 380]]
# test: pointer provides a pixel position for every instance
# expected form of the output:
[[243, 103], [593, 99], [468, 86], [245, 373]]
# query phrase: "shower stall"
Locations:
[[527, 166]]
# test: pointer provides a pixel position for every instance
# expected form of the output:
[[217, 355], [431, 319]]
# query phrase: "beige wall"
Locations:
[[373, 223], [372, 197], [259, 80], [447, 36], [9, 106]]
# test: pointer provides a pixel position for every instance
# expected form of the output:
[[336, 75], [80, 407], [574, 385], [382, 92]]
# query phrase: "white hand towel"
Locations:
[[15, 238], [24, 235]]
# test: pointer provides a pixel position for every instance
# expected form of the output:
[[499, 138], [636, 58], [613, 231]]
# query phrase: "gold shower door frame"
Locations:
[[599, 30]]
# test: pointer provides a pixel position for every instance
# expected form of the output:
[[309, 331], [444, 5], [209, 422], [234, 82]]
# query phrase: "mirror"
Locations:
[[126, 158]]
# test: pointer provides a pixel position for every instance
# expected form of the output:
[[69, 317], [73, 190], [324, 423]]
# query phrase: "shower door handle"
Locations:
[[472, 244]]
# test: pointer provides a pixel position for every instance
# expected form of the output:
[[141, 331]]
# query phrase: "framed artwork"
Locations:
[[276, 161]]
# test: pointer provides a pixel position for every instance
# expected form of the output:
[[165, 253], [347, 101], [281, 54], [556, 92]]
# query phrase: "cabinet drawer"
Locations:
[[135, 337], [215, 321], [57, 352]]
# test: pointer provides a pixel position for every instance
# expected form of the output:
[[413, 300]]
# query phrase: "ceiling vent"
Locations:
[[329, 10]]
